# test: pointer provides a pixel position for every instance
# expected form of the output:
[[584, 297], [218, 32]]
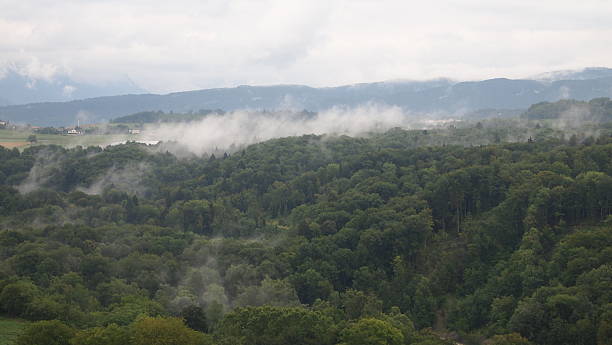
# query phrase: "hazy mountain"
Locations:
[[437, 96], [17, 88], [583, 74]]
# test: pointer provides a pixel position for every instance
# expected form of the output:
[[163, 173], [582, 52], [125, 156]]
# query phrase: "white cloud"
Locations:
[[235, 130], [167, 46]]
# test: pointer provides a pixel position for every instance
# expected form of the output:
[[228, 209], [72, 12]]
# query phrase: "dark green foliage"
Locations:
[[307, 239], [16, 297], [195, 318]]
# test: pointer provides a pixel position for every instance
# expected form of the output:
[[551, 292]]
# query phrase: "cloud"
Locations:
[[232, 131], [67, 90], [29, 66], [169, 46]]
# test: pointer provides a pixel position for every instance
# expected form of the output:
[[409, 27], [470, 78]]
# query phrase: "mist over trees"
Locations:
[[595, 110], [495, 231]]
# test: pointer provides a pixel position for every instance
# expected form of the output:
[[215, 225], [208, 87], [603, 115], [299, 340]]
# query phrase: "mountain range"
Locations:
[[17, 87], [440, 96]]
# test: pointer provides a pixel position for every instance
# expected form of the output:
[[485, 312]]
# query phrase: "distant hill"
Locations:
[[159, 116], [583, 74], [441, 96], [17, 88], [596, 110]]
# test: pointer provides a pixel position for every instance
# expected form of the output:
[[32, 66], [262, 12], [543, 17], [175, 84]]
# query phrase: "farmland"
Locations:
[[19, 139]]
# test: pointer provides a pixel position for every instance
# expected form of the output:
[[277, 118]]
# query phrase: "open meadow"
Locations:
[[19, 138]]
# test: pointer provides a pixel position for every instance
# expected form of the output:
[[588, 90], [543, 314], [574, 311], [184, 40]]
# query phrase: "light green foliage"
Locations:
[[109, 335], [509, 339], [277, 326], [130, 307], [46, 333], [371, 332], [166, 331]]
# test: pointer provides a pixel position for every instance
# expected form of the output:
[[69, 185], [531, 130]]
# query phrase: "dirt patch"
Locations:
[[11, 144]]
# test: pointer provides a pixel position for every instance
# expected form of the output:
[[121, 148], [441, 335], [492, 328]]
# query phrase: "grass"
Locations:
[[12, 144], [10, 138], [10, 329]]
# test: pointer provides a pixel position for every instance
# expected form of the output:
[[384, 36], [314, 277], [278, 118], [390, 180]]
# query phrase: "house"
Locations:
[[73, 132]]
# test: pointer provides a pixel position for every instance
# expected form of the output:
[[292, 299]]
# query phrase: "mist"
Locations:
[[128, 179], [46, 164], [232, 131]]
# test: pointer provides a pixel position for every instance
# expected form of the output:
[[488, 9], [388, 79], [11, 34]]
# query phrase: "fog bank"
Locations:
[[234, 130]]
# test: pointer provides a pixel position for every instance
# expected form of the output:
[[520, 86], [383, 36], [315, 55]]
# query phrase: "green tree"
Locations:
[[195, 318], [277, 326], [371, 332], [359, 305], [166, 331], [16, 297], [109, 335], [509, 339], [46, 333], [311, 285]]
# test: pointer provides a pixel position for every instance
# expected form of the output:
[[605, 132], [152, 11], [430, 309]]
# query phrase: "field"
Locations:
[[10, 329], [12, 138], [12, 144]]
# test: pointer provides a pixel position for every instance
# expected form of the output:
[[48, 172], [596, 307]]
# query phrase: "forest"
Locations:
[[494, 232], [160, 116]]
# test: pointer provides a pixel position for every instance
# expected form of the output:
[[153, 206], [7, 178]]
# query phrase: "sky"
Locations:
[[166, 46]]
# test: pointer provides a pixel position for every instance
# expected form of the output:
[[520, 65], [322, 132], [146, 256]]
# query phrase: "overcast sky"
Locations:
[[178, 45]]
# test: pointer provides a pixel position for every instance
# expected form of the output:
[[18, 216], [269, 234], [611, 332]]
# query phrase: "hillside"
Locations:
[[595, 110], [437, 96], [410, 236], [16, 88]]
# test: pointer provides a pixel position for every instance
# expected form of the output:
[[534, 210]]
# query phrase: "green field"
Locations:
[[12, 138], [10, 329]]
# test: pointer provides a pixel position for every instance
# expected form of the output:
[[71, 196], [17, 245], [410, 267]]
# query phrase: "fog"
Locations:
[[45, 165], [234, 130], [127, 179]]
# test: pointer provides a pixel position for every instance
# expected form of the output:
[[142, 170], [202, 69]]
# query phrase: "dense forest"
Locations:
[[489, 232], [172, 117]]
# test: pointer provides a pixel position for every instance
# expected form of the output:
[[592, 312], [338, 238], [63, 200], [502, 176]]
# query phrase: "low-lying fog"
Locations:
[[237, 129]]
